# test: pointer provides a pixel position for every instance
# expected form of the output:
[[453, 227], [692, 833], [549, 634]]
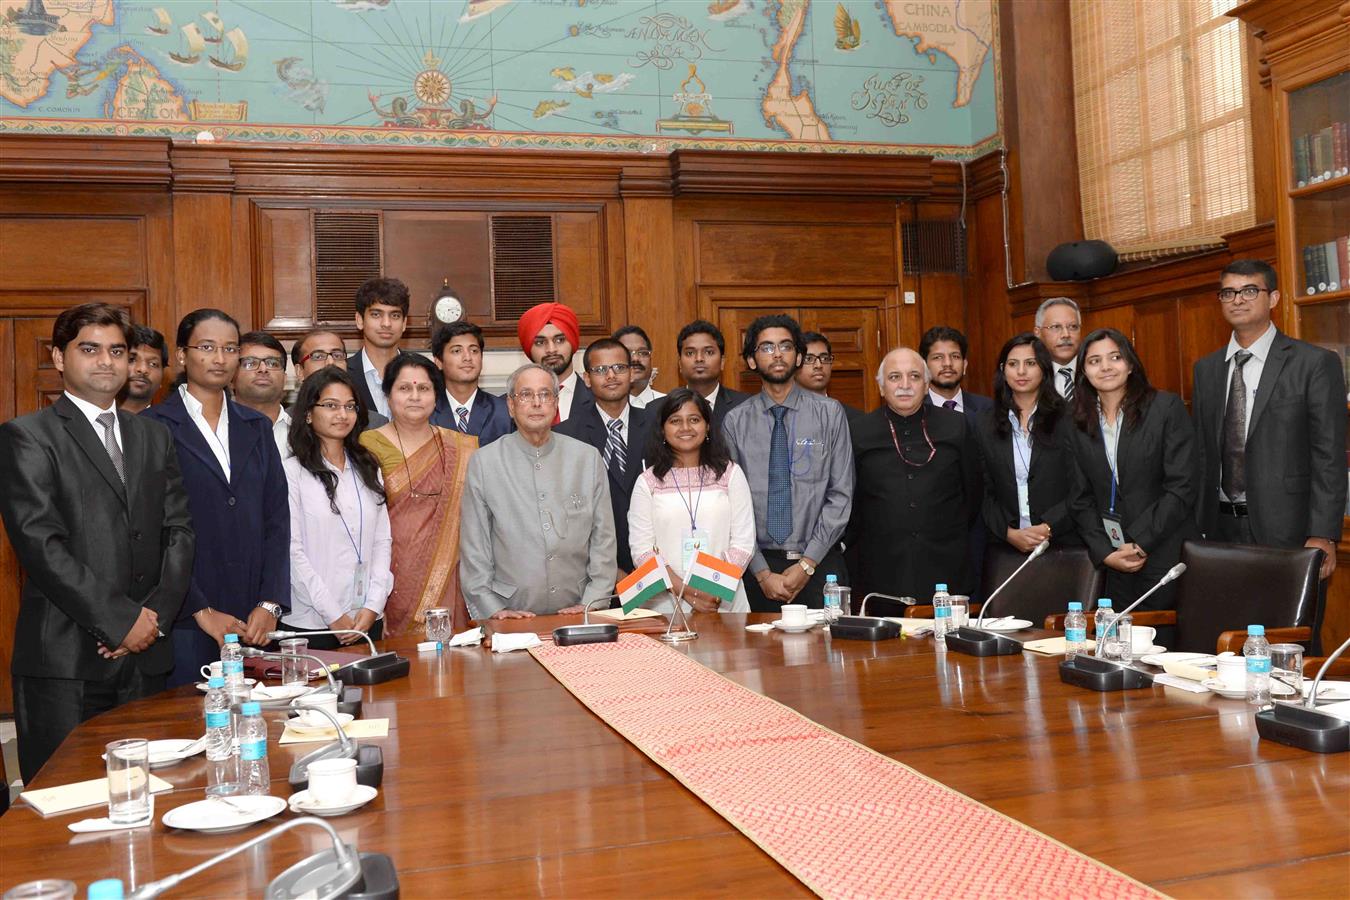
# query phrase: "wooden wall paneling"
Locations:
[[1201, 329], [63, 252], [734, 320], [989, 320], [284, 260], [203, 231], [806, 253], [650, 280], [1155, 331], [8, 400], [424, 247], [580, 270], [1120, 318], [855, 338]]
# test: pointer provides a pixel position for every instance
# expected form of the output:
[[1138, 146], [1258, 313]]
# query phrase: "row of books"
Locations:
[[1322, 155], [1326, 266]]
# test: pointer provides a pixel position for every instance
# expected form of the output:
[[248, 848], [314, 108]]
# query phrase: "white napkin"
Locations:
[[1328, 690], [1184, 684], [1339, 710], [471, 638], [504, 643], [89, 826]]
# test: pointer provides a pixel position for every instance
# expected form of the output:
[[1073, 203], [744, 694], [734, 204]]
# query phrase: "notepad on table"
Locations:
[[361, 728], [80, 795], [618, 615]]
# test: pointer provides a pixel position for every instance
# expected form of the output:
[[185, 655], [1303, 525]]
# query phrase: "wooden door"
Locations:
[[734, 320], [854, 337]]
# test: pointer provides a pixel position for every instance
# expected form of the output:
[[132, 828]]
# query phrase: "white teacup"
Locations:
[[308, 706], [332, 781], [213, 670], [1233, 672], [794, 614], [1141, 638]]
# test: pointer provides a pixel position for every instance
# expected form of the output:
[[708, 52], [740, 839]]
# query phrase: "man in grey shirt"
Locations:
[[536, 525], [795, 450]]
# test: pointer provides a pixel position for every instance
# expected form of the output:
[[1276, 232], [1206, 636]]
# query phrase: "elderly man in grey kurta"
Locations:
[[537, 528]]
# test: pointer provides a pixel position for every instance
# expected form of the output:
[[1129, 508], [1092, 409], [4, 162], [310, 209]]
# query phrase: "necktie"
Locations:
[[463, 413], [110, 443], [949, 404], [557, 416], [615, 449], [1067, 374], [1234, 476], [780, 480]]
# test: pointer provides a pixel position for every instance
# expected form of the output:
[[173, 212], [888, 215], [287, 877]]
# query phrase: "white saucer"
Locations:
[[204, 687], [163, 754], [759, 627], [794, 629], [1203, 660], [1277, 689], [1006, 625], [1328, 690], [302, 804], [300, 727], [274, 692], [218, 815]]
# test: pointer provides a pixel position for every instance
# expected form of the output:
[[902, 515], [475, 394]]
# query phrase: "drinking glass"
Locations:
[[295, 671], [1124, 643], [43, 889], [128, 781], [960, 611], [438, 624], [1286, 667]]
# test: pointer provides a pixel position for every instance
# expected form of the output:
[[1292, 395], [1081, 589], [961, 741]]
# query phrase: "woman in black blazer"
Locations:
[[1024, 391], [1137, 467]]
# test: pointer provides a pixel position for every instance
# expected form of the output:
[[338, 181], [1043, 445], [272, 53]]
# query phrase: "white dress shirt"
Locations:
[[324, 556], [376, 384], [1059, 379], [1251, 378], [92, 412], [647, 397], [712, 398], [281, 433], [938, 400], [567, 390], [455, 407], [218, 440]]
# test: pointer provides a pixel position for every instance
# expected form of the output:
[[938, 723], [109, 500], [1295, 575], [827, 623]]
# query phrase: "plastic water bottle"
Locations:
[[222, 764], [1257, 651], [232, 660], [832, 612], [942, 616], [1075, 630], [106, 889], [254, 776], [1100, 618]]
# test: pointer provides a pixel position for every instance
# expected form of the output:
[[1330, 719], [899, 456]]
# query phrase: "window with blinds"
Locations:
[[1164, 134]]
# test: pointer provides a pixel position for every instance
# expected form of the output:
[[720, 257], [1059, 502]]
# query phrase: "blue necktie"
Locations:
[[463, 413], [615, 450], [780, 480]]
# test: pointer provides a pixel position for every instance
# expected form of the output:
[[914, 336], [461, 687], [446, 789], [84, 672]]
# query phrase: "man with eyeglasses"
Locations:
[[818, 369], [382, 315], [794, 448], [640, 359], [536, 524], [149, 357], [702, 349], [549, 335], [1059, 325], [1270, 415], [260, 381], [613, 425], [457, 350], [320, 349]]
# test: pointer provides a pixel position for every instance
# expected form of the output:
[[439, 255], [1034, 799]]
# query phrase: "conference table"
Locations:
[[498, 782]]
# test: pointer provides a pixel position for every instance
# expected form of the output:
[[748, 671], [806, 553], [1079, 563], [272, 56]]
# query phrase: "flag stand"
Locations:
[[675, 637]]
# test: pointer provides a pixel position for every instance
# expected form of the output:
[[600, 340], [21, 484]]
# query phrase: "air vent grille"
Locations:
[[522, 264], [934, 247], [346, 255]]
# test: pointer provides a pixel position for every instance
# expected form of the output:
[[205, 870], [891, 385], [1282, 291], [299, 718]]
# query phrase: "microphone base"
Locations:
[[569, 635], [1306, 729], [374, 669], [320, 875], [977, 642], [369, 765], [1100, 675], [349, 701], [864, 628]]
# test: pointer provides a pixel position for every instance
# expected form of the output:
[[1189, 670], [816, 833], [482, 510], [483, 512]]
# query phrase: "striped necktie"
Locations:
[[463, 413], [615, 449], [1067, 374], [107, 420]]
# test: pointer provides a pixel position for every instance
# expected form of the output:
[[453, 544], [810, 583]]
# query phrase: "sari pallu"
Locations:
[[424, 493]]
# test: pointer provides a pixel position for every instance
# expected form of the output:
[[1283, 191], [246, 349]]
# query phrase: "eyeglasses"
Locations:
[[613, 369], [783, 347], [1063, 329], [333, 406], [324, 356], [1247, 292], [249, 363], [640, 354], [531, 397], [823, 358], [209, 349]]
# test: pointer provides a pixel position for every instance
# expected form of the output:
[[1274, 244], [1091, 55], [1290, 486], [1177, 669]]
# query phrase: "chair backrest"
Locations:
[[1045, 587], [1230, 586]]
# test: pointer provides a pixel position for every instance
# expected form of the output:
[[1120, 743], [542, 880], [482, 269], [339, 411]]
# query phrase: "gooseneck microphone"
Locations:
[[1312, 692], [1172, 575], [255, 653], [984, 610], [286, 635], [862, 607]]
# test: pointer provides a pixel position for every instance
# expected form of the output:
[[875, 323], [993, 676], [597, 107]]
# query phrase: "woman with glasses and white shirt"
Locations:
[[340, 537]]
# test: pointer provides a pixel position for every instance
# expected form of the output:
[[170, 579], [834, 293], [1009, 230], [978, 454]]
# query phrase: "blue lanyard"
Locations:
[[1120, 423], [360, 513], [698, 500]]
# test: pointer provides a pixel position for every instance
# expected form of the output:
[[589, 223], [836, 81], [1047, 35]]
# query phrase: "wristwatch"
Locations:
[[272, 608], [806, 567]]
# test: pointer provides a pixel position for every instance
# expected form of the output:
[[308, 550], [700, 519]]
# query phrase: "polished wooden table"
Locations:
[[498, 782]]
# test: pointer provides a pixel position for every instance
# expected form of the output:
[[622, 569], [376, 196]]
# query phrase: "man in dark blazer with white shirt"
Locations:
[[1270, 416], [457, 349], [701, 350], [94, 506]]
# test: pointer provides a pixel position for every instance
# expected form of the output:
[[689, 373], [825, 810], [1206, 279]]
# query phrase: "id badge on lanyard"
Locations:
[[359, 586], [1115, 532], [693, 541]]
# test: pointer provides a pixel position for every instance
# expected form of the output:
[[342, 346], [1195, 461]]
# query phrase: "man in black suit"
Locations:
[[701, 349], [382, 315], [817, 370], [945, 350], [1269, 411], [319, 349], [612, 425], [95, 509], [457, 349]]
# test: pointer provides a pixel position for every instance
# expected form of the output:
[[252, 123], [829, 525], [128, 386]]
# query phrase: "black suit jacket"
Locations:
[[975, 404], [1049, 482], [727, 400], [488, 419], [93, 551], [1295, 443], [356, 367], [585, 425]]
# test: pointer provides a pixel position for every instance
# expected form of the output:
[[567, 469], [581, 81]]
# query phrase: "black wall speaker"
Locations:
[[1081, 261]]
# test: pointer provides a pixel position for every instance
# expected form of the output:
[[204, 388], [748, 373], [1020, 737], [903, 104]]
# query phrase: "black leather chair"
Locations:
[[1042, 590], [1230, 586]]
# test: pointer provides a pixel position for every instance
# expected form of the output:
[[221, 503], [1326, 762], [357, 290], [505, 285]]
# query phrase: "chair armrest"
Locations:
[[1339, 669], [1233, 640], [1055, 622], [1154, 617]]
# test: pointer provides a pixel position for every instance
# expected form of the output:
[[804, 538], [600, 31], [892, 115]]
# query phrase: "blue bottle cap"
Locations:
[[940, 587], [250, 708], [106, 889], [1104, 602], [216, 681], [831, 579], [1256, 631], [231, 638], [1075, 606]]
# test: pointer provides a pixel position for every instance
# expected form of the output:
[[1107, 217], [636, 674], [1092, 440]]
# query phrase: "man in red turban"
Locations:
[[550, 335]]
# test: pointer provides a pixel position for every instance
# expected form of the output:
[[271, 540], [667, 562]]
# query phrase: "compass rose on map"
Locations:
[[435, 93]]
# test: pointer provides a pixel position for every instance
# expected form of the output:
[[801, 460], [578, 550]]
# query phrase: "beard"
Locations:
[[949, 382], [787, 376]]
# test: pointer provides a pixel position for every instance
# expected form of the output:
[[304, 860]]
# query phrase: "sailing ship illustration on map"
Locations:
[[233, 51], [193, 45], [163, 22], [695, 115]]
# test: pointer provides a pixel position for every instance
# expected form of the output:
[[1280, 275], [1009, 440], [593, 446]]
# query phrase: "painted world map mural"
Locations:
[[874, 76]]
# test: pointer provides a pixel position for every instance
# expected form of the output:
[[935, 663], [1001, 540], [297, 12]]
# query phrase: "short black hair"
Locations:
[[67, 325], [189, 323], [942, 333], [145, 336], [711, 453], [633, 329], [389, 291], [1253, 267], [602, 344], [446, 333], [297, 357], [405, 359], [263, 339], [764, 323], [815, 337], [701, 326]]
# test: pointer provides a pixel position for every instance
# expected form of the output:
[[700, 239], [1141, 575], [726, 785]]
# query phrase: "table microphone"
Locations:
[[1172, 575], [343, 748], [862, 607], [984, 610], [586, 633], [286, 635], [255, 653]]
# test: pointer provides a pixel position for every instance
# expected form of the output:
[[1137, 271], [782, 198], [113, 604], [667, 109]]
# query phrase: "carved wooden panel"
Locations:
[[71, 252], [806, 253], [578, 241], [855, 338], [285, 264]]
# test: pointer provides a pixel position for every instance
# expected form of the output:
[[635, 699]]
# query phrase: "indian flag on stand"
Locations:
[[647, 580], [714, 576]]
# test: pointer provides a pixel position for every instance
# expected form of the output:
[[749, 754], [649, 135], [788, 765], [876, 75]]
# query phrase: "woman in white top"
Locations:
[[340, 538], [692, 498]]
